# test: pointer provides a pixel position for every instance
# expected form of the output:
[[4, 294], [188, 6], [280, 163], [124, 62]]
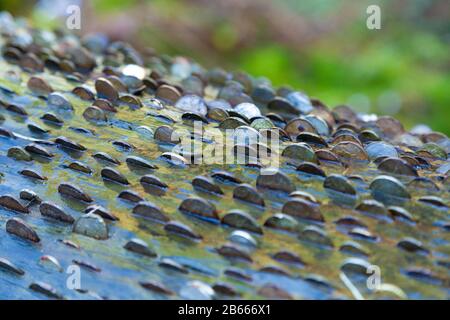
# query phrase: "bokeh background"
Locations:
[[322, 47]]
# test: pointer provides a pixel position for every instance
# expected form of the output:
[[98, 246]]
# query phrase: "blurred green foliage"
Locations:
[[405, 64]]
